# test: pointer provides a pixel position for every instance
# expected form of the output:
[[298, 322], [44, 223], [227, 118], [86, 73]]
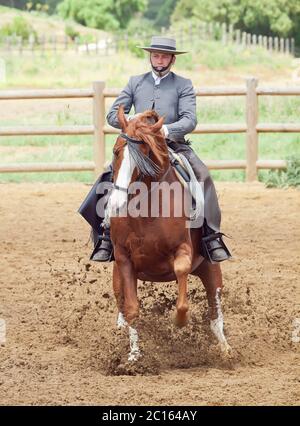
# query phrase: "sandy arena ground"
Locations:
[[62, 346]]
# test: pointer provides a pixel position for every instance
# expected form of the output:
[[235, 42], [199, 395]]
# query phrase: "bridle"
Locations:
[[144, 163], [128, 139]]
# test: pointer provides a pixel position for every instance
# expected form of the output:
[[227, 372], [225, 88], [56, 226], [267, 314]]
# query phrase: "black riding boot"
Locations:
[[213, 246], [103, 251]]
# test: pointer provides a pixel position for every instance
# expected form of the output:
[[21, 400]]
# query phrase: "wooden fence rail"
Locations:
[[99, 94]]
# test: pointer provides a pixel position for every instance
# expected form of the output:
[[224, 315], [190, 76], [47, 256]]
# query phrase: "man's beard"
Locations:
[[161, 71]]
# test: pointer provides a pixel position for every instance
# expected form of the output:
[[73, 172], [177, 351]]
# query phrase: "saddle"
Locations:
[[188, 179], [179, 167]]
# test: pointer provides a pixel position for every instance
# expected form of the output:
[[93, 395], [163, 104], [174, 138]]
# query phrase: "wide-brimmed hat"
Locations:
[[162, 44]]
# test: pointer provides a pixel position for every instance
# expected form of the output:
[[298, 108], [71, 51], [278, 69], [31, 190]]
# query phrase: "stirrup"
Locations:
[[207, 250], [97, 248]]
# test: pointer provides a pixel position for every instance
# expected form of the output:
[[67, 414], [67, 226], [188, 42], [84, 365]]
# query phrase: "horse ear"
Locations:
[[157, 126], [121, 118]]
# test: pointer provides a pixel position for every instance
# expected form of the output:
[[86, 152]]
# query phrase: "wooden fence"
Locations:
[[251, 164]]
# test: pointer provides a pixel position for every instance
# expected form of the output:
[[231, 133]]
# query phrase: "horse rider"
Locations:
[[173, 97]]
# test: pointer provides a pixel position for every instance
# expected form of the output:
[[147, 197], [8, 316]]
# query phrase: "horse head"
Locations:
[[140, 151]]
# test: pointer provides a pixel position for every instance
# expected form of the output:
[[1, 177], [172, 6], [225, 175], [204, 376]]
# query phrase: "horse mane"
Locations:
[[142, 128]]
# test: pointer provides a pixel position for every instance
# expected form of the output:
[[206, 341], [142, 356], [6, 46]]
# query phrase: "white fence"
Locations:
[[186, 36]]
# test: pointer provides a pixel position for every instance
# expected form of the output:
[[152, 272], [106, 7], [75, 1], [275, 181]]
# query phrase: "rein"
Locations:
[[119, 188]]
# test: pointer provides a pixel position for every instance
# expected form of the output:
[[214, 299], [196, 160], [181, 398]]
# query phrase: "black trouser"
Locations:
[[212, 211]]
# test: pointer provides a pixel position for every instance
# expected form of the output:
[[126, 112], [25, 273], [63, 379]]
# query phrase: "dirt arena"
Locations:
[[62, 346]]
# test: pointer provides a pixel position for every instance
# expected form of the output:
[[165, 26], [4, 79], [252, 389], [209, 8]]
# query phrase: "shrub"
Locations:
[[71, 32], [289, 177], [19, 27]]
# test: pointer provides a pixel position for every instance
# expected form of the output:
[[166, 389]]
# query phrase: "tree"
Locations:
[[160, 12], [21, 4], [152, 9], [266, 17], [164, 13], [101, 14]]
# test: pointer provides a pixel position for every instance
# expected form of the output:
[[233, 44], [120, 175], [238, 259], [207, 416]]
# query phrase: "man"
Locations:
[[173, 97]]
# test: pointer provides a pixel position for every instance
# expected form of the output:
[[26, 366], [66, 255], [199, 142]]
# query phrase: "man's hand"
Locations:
[[165, 130]]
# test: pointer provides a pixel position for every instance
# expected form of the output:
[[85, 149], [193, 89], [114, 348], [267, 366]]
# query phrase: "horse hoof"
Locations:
[[226, 351], [134, 356], [181, 320]]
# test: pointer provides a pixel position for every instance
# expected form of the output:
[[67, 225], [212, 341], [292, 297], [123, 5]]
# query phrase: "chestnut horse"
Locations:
[[155, 249]]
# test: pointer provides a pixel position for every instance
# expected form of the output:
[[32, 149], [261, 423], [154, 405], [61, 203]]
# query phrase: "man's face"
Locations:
[[161, 59]]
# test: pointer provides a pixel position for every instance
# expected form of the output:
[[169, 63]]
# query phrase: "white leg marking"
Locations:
[[134, 347], [121, 322], [216, 326]]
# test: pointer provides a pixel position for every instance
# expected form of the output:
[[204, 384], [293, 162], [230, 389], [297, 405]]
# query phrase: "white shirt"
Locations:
[[157, 81]]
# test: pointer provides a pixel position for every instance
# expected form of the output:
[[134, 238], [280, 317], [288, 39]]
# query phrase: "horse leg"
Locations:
[[119, 295], [211, 277], [182, 267], [128, 282]]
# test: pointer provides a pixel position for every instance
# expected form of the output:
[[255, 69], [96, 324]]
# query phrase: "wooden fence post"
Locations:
[[260, 40], [287, 46], [99, 118], [230, 33], [66, 42], [281, 45], [31, 41], [248, 40], [293, 46], [265, 42], [20, 45], [270, 45], [211, 30], [224, 33], [251, 135], [244, 35], [42, 42]]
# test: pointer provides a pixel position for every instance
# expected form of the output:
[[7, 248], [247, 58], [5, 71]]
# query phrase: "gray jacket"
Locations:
[[174, 98]]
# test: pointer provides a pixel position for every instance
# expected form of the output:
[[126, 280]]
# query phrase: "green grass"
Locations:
[[217, 56], [72, 69]]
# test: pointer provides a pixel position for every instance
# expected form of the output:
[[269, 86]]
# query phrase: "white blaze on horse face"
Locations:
[[118, 198]]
